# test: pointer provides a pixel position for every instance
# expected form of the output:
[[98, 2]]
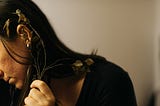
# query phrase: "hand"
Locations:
[[39, 95]]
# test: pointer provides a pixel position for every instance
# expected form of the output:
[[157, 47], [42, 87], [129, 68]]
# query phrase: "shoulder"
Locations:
[[109, 76], [111, 82], [105, 70], [107, 84]]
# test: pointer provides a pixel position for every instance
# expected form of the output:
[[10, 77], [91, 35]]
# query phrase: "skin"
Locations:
[[14, 73], [40, 94], [11, 71]]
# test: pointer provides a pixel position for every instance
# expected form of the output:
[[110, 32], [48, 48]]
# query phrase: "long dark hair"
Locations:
[[50, 57]]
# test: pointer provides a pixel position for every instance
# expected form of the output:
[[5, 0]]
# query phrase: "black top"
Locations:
[[106, 85]]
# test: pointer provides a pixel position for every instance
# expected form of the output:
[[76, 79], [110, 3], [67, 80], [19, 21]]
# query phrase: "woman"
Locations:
[[39, 70]]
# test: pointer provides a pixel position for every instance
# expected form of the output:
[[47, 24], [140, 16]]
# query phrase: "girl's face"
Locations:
[[10, 70]]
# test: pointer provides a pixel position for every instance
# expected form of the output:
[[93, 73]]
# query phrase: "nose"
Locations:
[[1, 74]]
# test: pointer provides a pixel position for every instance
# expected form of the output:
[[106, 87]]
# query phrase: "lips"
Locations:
[[7, 79], [11, 81]]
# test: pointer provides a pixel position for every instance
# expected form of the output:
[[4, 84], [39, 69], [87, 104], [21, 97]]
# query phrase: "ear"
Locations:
[[25, 34]]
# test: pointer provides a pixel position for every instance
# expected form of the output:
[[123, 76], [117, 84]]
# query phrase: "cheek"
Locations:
[[5, 64], [18, 71], [12, 69]]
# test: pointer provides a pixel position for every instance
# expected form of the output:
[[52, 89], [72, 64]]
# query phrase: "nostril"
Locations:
[[1, 74]]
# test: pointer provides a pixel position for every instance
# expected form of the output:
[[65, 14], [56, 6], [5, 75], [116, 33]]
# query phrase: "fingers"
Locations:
[[29, 101], [40, 95], [37, 95], [43, 87]]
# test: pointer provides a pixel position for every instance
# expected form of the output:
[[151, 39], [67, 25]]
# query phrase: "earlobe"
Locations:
[[25, 34]]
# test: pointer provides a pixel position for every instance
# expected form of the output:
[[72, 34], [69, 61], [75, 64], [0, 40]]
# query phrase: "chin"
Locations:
[[19, 86]]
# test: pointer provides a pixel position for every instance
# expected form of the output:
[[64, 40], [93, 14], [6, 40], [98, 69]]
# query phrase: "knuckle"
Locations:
[[32, 91], [45, 103], [48, 102], [50, 99], [26, 100], [41, 83]]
